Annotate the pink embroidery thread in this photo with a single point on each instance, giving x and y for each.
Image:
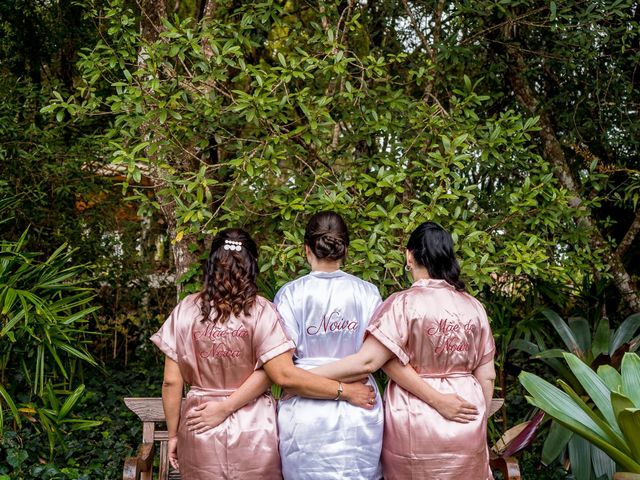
(215, 334)
(334, 322)
(447, 340)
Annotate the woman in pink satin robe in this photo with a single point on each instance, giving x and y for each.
(217, 341)
(444, 334)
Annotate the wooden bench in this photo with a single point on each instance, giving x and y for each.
(150, 412)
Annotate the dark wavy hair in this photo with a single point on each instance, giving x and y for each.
(432, 247)
(229, 277)
(327, 236)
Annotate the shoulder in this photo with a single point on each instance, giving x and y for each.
(368, 287)
(474, 302)
(188, 304)
(397, 298)
(289, 287)
(262, 305)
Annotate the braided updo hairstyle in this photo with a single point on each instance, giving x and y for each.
(327, 236)
(229, 276)
(432, 247)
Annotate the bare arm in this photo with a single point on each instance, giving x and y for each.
(172, 395)
(171, 399)
(486, 375)
(450, 406)
(300, 382)
(371, 356)
(211, 414)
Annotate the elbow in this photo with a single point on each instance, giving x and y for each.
(369, 366)
(284, 377)
(485, 374)
(170, 384)
(489, 378)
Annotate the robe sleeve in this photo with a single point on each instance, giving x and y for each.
(269, 339)
(284, 304)
(166, 338)
(390, 327)
(486, 345)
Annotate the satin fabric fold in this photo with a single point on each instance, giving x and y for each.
(326, 314)
(215, 359)
(445, 335)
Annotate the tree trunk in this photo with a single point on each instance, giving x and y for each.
(553, 153)
(630, 236)
(152, 13)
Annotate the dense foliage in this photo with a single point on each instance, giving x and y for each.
(133, 130)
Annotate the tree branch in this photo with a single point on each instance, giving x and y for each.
(416, 28)
(629, 237)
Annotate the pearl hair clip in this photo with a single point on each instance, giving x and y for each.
(232, 245)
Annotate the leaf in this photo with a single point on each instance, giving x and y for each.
(630, 424)
(524, 346)
(525, 437)
(595, 388)
(603, 464)
(561, 407)
(9, 299)
(70, 402)
(12, 406)
(630, 370)
(582, 332)
(558, 404)
(564, 331)
(620, 402)
(552, 14)
(580, 456)
(556, 442)
(624, 332)
(83, 355)
(551, 353)
(610, 376)
(615, 437)
(601, 338)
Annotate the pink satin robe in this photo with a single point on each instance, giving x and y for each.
(445, 335)
(215, 360)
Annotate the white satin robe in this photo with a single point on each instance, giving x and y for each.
(326, 314)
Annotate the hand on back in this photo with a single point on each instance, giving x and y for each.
(359, 394)
(207, 416)
(455, 408)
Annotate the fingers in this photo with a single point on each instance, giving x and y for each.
(193, 415)
(463, 417)
(199, 408)
(174, 463)
(468, 410)
(465, 403)
(191, 421)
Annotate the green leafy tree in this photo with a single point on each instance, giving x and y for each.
(261, 113)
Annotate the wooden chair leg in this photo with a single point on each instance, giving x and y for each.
(508, 466)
